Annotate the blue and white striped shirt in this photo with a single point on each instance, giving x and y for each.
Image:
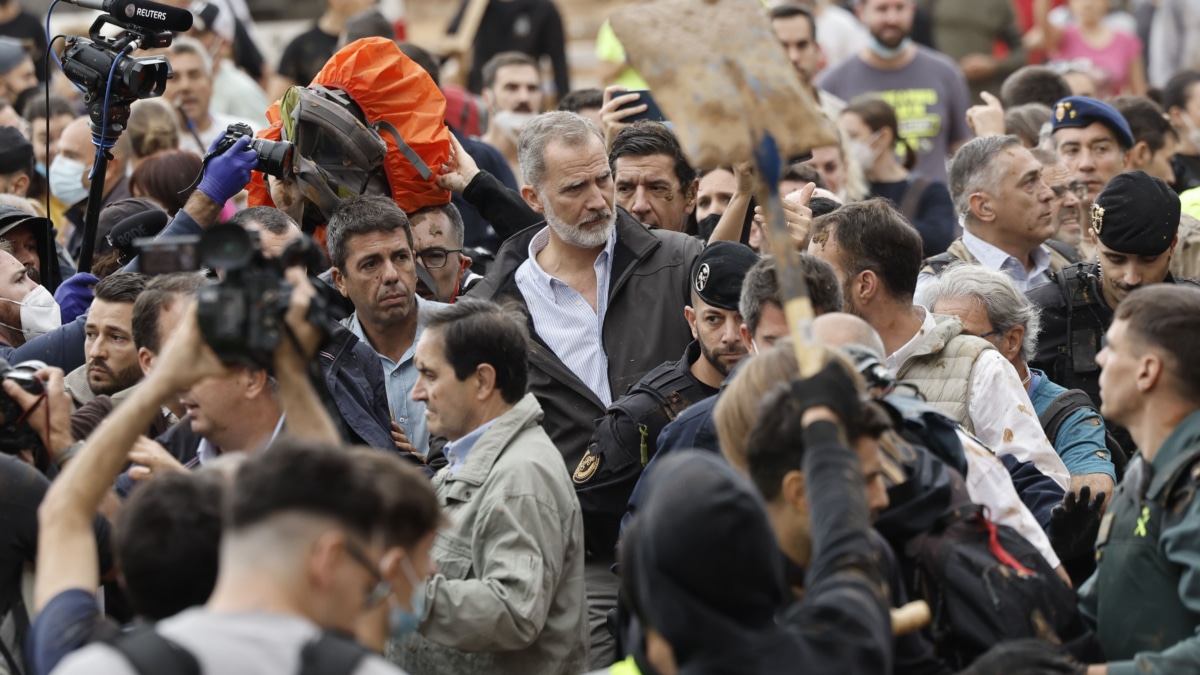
(565, 320)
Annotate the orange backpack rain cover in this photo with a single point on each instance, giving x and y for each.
(389, 87)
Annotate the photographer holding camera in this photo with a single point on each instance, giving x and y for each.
(66, 581)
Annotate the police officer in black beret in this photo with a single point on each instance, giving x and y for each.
(624, 440)
(1133, 228)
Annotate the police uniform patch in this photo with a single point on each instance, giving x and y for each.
(702, 277)
(586, 469)
(1097, 217)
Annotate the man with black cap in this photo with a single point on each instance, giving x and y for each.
(32, 242)
(1133, 228)
(626, 438)
(17, 72)
(1094, 141)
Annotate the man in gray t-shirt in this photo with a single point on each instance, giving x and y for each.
(253, 642)
(300, 552)
(926, 88)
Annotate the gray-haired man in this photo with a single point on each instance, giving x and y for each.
(605, 297)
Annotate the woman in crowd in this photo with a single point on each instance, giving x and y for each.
(873, 132)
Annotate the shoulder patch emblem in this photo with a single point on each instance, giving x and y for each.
(586, 469)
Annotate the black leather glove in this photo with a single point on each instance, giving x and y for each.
(1028, 657)
(1075, 523)
(832, 387)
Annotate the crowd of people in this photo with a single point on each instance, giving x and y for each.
(511, 389)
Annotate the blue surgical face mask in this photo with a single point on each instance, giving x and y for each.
(41, 169)
(402, 621)
(66, 180)
(888, 53)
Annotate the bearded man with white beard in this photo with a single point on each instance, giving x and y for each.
(605, 297)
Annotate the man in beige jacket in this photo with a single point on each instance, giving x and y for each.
(509, 593)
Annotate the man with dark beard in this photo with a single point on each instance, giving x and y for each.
(112, 357)
(604, 295)
(1134, 224)
(626, 439)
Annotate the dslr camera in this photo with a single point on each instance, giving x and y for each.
(242, 316)
(274, 157)
(15, 433)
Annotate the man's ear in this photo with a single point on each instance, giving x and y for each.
(747, 339)
(256, 382)
(338, 280)
(689, 193)
(864, 286)
(1149, 373)
(485, 379)
(1128, 160)
(20, 186)
(323, 559)
(532, 198)
(690, 315)
(794, 491)
(1010, 346)
(145, 360)
(1140, 155)
(980, 206)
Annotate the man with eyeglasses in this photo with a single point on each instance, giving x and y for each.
(444, 271)
(1007, 213)
(1067, 206)
(1134, 227)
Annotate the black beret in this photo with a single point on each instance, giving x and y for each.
(1136, 214)
(718, 272)
(16, 153)
(1081, 111)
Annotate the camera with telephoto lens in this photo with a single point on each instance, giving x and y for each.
(274, 157)
(15, 434)
(242, 316)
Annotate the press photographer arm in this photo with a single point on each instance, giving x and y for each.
(224, 175)
(307, 417)
(68, 553)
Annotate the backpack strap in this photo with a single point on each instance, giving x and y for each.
(911, 204)
(331, 654)
(406, 150)
(152, 654)
(1055, 414)
(936, 264)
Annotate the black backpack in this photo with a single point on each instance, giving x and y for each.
(1061, 408)
(152, 654)
(986, 584)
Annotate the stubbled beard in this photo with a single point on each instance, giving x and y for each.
(575, 235)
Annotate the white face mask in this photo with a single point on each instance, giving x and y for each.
(39, 313)
(863, 153)
(66, 180)
(511, 123)
(1193, 132)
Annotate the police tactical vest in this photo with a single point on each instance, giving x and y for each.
(1137, 588)
(941, 369)
(1088, 317)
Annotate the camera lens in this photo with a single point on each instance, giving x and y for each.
(274, 157)
(226, 247)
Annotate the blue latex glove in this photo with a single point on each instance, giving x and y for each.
(228, 173)
(75, 295)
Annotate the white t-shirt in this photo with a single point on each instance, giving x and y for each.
(220, 124)
(224, 644)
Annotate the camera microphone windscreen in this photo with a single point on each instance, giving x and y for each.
(137, 226)
(152, 15)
